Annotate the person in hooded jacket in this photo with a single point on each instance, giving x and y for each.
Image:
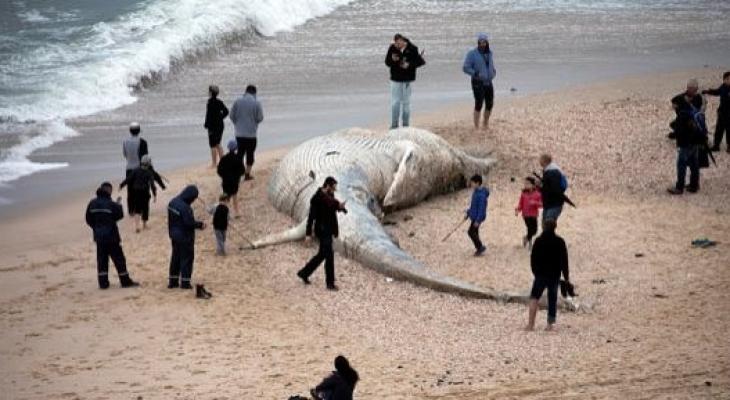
(230, 169)
(141, 184)
(479, 65)
(102, 215)
(403, 59)
(477, 212)
(340, 385)
(215, 114)
(181, 225)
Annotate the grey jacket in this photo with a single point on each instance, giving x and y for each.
(246, 115)
(130, 149)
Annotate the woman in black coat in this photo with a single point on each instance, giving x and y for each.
(215, 113)
(340, 384)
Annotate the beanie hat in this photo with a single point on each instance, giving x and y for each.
(482, 37)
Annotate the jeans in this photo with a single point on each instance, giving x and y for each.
(552, 213)
(688, 157)
(220, 241)
(400, 99)
(474, 236)
(538, 287)
(181, 261)
(326, 254)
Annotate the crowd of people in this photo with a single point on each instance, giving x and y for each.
(546, 191)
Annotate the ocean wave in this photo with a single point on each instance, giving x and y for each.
(98, 67)
(31, 137)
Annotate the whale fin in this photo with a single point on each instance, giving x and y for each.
(290, 235)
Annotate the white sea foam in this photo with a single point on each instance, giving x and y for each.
(97, 73)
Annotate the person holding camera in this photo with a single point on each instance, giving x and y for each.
(403, 59)
(323, 217)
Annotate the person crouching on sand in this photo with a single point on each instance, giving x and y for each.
(340, 385)
(181, 226)
(529, 205)
(477, 212)
(548, 260)
(230, 169)
(479, 65)
(102, 215)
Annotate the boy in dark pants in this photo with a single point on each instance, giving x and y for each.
(723, 112)
(323, 216)
(548, 260)
(102, 215)
(181, 225)
(220, 224)
(477, 212)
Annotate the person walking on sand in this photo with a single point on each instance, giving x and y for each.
(141, 182)
(246, 115)
(323, 208)
(477, 213)
(133, 148)
(529, 205)
(220, 224)
(552, 188)
(403, 59)
(723, 112)
(181, 224)
(479, 65)
(230, 169)
(102, 215)
(340, 385)
(215, 114)
(548, 260)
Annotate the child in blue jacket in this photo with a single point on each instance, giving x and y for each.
(477, 212)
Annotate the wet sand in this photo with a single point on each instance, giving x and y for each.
(657, 329)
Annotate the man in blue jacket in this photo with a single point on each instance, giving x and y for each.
(477, 212)
(102, 215)
(479, 65)
(181, 225)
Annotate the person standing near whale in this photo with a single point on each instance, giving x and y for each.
(479, 65)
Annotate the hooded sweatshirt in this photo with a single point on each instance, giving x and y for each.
(181, 221)
(246, 115)
(551, 190)
(549, 257)
(102, 215)
(477, 211)
(480, 66)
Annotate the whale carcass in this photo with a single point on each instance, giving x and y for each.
(376, 172)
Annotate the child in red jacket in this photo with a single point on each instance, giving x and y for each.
(530, 204)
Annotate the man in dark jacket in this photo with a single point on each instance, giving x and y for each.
(691, 97)
(549, 259)
(340, 385)
(723, 112)
(689, 141)
(181, 225)
(230, 169)
(551, 188)
(323, 217)
(102, 215)
(402, 58)
(141, 182)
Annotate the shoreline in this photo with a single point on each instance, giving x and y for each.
(657, 326)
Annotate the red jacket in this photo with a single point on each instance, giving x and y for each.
(530, 203)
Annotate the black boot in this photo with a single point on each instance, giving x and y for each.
(174, 283)
(127, 282)
(201, 293)
(186, 285)
(103, 284)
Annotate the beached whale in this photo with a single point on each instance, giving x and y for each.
(376, 172)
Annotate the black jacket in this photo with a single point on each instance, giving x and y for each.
(686, 132)
(337, 387)
(102, 215)
(230, 167)
(409, 55)
(141, 181)
(550, 189)
(323, 215)
(215, 113)
(220, 218)
(549, 257)
(724, 92)
(681, 102)
(181, 223)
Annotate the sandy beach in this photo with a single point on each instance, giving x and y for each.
(657, 327)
